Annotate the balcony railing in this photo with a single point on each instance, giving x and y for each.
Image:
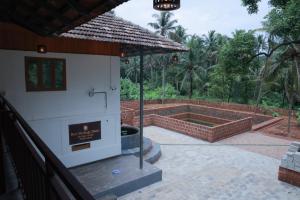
(41, 175)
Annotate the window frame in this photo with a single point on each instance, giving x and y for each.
(40, 79)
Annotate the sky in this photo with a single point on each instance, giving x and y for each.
(199, 16)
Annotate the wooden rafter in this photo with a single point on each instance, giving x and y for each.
(46, 17)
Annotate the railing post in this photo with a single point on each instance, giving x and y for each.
(2, 173)
(36, 162)
(49, 175)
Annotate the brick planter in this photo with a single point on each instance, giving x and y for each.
(222, 105)
(210, 134)
(289, 170)
(212, 120)
(289, 176)
(226, 123)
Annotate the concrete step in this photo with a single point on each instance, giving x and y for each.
(136, 151)
(108, 197)
(152, 151)
(12, 195)
(154, 154)
(266, 124)
(148, 144)
(100, 180)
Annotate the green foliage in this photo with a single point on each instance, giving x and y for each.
(269, 106)
(275, 114)
(284, 22)
(239, 68)
(163, 23)
(219, 86)
(252, 5)
(179, 35)
(298, 117)
(170, 92)
(235, 55)
(129, 90)
(236, 65)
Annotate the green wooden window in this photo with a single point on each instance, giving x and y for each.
(45, 74)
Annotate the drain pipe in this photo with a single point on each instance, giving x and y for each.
(141, 105)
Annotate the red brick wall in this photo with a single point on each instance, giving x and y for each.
(231, 128)
(213, 120)
(136, 104)
(130, 104)
(210, 134)
(230, 122)
(170, 110)
(289, 176)
(228, 114)
(184, 127)
(127, 116)
(224, 105)
(148, 121)
(231, 106)
(204, 110)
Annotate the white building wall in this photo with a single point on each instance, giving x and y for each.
(50, 113)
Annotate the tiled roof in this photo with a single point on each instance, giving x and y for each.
(109, 28)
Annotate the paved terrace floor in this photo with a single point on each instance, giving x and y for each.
(196, 170)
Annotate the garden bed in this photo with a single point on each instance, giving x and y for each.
(204, 122)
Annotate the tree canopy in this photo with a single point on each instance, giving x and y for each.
(245, 67)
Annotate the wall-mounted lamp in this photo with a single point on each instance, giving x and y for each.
(123, 54)
(175, 59)
(42, 48)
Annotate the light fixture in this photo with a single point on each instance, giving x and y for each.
(166, 5)
(126, 61)
(123, 54)
(41, 48)
(175, 59)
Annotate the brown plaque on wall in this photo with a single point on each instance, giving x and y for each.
(84, 132)
(79, 147)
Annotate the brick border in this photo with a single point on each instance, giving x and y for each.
(210, 134)
(230, 106)
(289, 176)
(213, 120)
(230, 122)
(266, 123)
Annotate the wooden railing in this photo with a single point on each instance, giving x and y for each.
(41, 175)
(2, 179)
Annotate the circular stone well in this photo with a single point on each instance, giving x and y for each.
(130, 137)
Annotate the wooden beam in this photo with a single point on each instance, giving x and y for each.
(86, 11)
(14, 37)
(102, 8)
(54, 11)
(74, 4)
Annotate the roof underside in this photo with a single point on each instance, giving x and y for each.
(48, 17)
(133, 38)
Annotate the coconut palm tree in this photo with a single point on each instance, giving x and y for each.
(133, 69)
(192, 70)
(286, 66)
(179, 35)
(163, 25)
(211, 44)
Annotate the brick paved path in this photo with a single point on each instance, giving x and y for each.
(213, 172)
(260, 143)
